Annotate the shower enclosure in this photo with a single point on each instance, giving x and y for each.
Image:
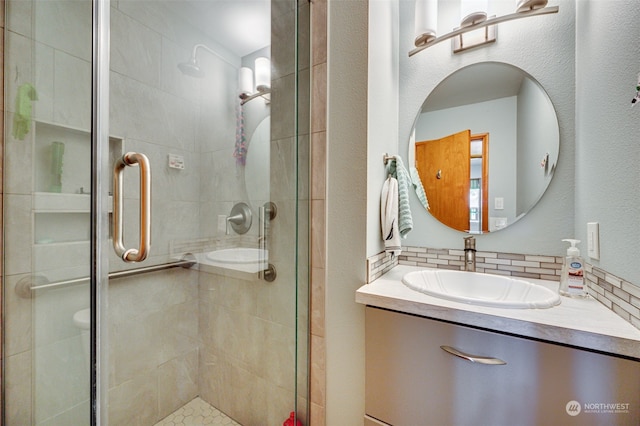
(155, 212)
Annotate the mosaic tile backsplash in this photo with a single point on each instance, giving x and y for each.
(615, 293)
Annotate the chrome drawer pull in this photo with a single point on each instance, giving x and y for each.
(473, 358)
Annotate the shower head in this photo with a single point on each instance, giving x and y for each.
(192, 67)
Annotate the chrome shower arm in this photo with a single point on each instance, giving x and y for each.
(205, 47)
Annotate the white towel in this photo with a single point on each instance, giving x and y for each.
(389, 217)
(396, 169)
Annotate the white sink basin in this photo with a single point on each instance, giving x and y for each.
(481, 289)
(238, 255)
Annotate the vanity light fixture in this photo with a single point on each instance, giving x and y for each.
(525, 9)
(426, 21)
(262, 88)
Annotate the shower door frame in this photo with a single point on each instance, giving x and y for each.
(99, 267)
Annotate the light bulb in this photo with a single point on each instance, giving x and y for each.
(263, 74)
(527, 5)
(426, 21)
(245, 82)
(473, 12)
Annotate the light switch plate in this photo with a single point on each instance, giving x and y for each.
(499, 203)
(500, 222)
(593, 240)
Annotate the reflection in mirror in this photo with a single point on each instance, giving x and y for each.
(485, 144)
(256, 171)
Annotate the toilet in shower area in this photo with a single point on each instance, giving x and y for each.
(82, 320)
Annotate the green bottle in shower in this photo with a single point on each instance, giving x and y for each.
(57, 159)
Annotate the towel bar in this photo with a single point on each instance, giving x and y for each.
(386, 158)
(26, 286)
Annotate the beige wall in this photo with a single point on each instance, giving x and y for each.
(338, 145)
(1, 186)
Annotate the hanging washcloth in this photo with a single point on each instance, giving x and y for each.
(396, 169)
(22, 115)
(389, 216)
(240, 149)
(417, 185)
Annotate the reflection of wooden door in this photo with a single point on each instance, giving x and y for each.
(444, 168)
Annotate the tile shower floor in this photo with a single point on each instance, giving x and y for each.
(196, 412)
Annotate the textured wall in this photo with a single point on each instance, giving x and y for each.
(607, 129)
(543, 47)
(346, 209)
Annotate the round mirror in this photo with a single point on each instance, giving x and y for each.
(256, 171)
(485, 146)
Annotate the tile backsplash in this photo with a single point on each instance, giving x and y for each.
(615, 293)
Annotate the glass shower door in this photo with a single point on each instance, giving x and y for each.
(204, 92)
(213, 321)
(47, 211)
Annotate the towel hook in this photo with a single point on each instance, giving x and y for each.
(386, 157)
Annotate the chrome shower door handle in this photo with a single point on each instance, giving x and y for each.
(139, 254)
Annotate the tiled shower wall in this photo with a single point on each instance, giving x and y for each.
(154, 342)
(249, 330)
(318, 209)
(30, 341)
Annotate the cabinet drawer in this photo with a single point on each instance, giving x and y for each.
(411, 381)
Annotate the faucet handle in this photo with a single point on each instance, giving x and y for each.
(469, 243)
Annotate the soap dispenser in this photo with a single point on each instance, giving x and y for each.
(572, 277)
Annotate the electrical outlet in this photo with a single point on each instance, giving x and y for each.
(175, 161)
(499, 203)
(593, 240)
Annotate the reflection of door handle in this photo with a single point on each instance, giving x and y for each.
(132, 159)
(439, 174)
(266, 213)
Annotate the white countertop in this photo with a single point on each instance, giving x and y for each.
(584, 323)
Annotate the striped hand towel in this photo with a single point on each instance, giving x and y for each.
(397, 170)
(417, 185)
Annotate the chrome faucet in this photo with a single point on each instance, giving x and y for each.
(470, 254)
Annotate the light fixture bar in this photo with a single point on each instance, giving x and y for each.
(492, 21)
(266, 94)
(471, 40)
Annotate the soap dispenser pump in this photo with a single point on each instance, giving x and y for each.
(572, 276)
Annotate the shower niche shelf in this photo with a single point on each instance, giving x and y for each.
(76, 160)
(61, 199)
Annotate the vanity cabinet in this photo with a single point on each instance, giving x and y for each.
(412, 381)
